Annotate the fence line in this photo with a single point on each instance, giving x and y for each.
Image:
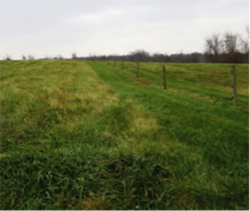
(233, 72)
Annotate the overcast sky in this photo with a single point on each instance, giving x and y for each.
(52, 27)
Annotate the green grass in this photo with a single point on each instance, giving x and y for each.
(87, 135)
(205, 80)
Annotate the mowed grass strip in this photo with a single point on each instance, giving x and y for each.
(218, 132)
(208, 81)
(78, 135)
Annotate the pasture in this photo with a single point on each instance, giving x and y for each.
(92, 135)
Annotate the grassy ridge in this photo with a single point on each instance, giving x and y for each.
(78, 135)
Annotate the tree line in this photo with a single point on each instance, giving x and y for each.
(219, 48)
(227, 48)
(144, 56)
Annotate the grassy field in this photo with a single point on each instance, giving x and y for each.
(202, 80)
(89, 135)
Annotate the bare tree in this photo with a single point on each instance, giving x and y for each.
(231, 47)
(230, 42)
(7, 57)
(140, 56)
(247, 30)
(248, 44)
(213, 48)
(74, 56)
(244, 45)
(23, 57)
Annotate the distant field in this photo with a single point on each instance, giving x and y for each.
(91, 135)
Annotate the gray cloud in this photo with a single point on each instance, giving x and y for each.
(51, 27)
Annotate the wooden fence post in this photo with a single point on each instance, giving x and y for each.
(164, 77)
(137, 69)
(234, 85)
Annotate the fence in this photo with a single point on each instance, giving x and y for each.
(152, 72)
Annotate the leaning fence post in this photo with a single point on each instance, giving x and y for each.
(137, 69)
(164, 77)
(234, 85)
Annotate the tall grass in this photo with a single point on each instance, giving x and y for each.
(77, 135)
